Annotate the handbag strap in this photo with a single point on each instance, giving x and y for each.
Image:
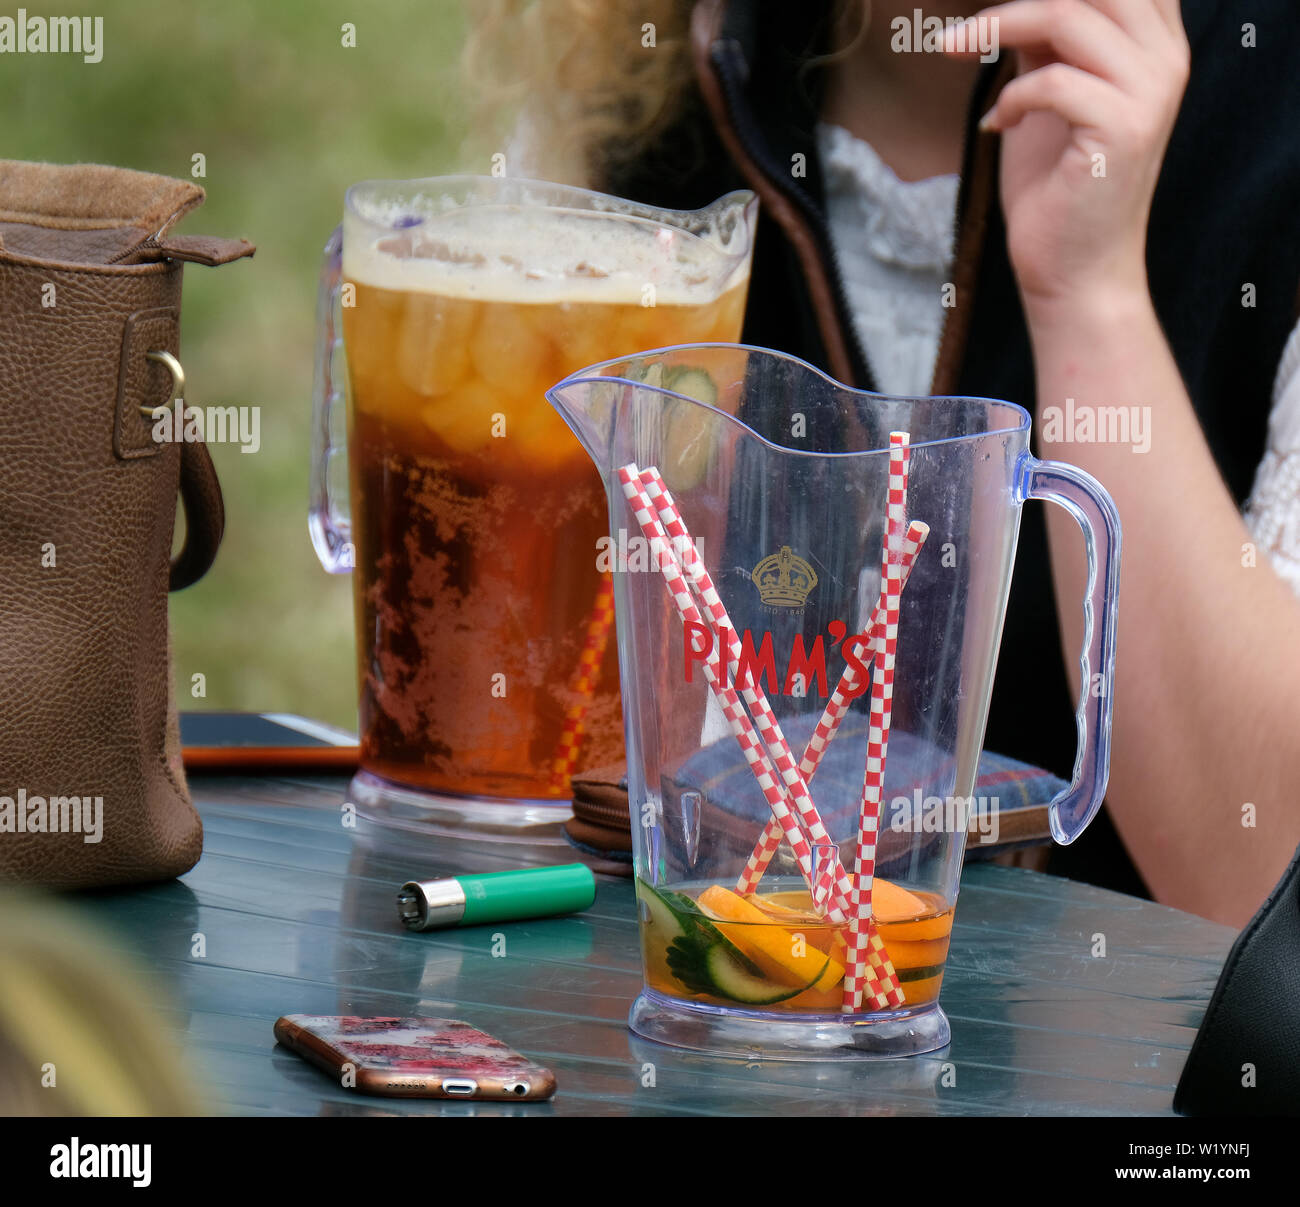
(205, 516)
(147, 337)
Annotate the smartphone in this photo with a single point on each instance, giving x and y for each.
(414, 1057)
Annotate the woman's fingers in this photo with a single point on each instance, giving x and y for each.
(1155, 25)
(1072, 31)
(1140, 19)
(1172, 13)
(1076, 96)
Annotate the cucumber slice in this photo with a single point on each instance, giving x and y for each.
(679, 917)
(663, 917)
(687, 445)
(722, 970)
(651, 374)
(732, 981)
(675, 912)
(694, 383)
(919, 974)
(703, 959)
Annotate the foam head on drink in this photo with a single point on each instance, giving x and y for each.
(476, 513)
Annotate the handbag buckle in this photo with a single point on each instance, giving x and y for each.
(178, 383)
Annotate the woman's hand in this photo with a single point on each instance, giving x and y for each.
(1084, 128)
(1205, 692)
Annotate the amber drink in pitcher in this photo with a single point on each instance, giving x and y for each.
(486, 663)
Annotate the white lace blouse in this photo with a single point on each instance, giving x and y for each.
(894, 241)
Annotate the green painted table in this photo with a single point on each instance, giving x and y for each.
(298, 917)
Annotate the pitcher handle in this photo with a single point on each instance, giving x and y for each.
(1087, 501)
(329, 517)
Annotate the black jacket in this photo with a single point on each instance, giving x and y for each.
(1226, 214)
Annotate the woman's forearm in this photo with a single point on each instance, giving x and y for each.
(1207, 696)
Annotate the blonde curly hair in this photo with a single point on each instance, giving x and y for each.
(574, 90)
(568, 89)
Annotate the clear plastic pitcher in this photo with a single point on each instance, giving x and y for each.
(810, 584)
(486, 665)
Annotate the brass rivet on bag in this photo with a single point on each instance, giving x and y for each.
(178, 382)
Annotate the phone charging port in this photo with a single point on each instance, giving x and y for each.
(462, 1086)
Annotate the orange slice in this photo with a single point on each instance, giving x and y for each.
(773, 948)
(890, 903)
(783, 914)
(938, 927)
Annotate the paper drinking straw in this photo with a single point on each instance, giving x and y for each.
(599, 624)
(825, 880)
(861, 936)
(666, 560)
(848, 688)
(837, 709)
(881, 979)
(764, 718)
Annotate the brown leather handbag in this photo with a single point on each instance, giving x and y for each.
(92, 791)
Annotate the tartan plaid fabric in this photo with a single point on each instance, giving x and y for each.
(733, 801)
(720, 773)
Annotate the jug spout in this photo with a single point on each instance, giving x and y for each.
(577, 401)
(664, 406)
(730, 222)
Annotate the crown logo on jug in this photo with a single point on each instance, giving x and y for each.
(784, 580)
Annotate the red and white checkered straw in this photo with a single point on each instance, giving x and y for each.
(764, 718)
(862, 935)
(825, 876)
(850, 684)
(828, 889)
(837, 708)
(666, 559)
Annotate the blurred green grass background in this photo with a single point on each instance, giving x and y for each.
(287, 117)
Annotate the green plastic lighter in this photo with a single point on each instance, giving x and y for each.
(495, 896)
